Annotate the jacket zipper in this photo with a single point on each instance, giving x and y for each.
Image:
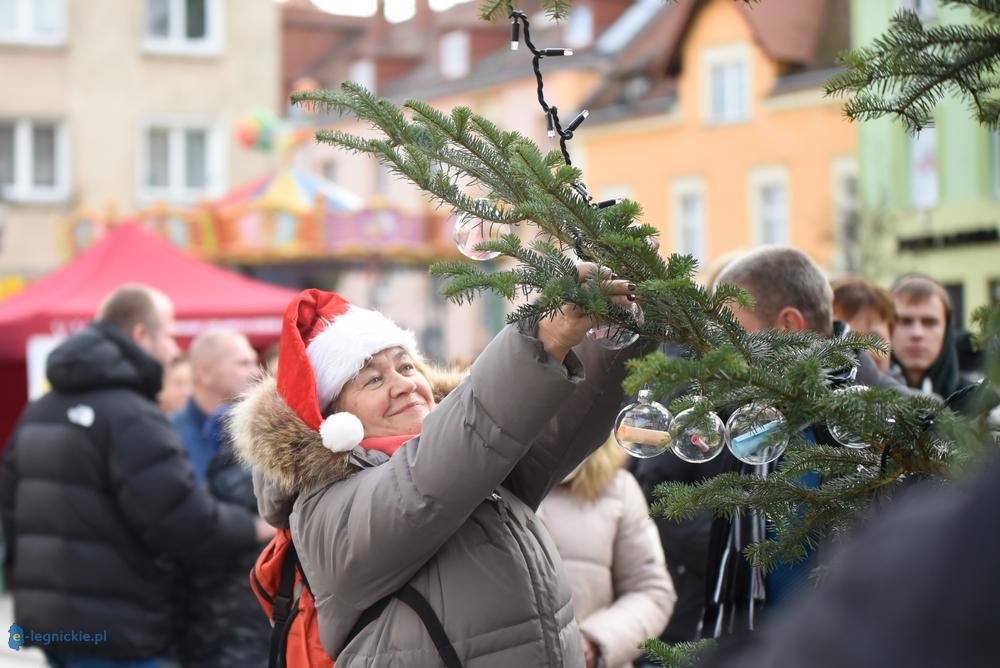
(515, 529)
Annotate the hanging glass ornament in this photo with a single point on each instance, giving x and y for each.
(616, 337)
(471, 230)
(845, 433)
(642, 428)
(697, 440)
(750, 431)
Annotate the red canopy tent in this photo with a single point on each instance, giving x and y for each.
(204, 295)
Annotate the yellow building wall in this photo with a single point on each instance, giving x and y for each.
(803, 132)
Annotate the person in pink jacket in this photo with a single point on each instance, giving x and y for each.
(622, 592)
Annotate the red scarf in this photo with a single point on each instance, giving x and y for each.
(386, 444)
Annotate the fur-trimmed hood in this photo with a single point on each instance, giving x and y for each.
(286, 455)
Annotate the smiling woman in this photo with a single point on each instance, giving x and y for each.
(390, 495)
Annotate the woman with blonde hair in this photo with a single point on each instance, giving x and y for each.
(622, 592)
(412, 515)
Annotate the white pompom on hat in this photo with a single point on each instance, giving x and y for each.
(325, 342)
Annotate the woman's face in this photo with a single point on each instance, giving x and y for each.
(389, 395)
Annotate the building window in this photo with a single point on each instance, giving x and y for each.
(925, 9)
(382, 177)
(34, 22)
(924, 169)
(580, 27)
(847, 216)
(727, 84)
(190, 27)
(996, 163)
(34, 161)
(690, 221)
(769, 205)
(454, 54)
(362, 72)
(181, 161)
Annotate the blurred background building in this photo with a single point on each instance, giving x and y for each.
(173, 114)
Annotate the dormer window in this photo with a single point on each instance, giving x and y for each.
(454, 54)
(363, 73)
(727, 84)
(580, 27)
(925, 9)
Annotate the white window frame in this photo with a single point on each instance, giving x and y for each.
(723, 56)
(24, 32)
(925, 9)
(842, 169)
(23, 189)
(176, 190)
(579, 30)
(679, 190)
(454, 54)
(176, 43)
(996, 164)
(362, 71)
(760, 178)
(919, 200)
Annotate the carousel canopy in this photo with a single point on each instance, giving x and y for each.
(294, 190)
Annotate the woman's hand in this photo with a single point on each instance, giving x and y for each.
(566, 328)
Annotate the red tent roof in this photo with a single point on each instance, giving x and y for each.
(204, 295)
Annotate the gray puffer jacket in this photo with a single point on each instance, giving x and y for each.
(451, 512)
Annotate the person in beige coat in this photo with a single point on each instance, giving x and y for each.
(622, 592)
(383, 487)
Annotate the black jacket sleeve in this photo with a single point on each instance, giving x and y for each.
(159, 497)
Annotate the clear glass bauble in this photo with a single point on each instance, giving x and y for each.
(844, 433)
(642, 428)
(697, 441)
(616, 337)
(750, 430)
(470, 231)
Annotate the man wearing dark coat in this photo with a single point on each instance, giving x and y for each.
(98, 500)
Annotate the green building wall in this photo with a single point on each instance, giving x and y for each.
(935, 240)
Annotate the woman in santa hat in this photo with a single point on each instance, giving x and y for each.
(386, 490)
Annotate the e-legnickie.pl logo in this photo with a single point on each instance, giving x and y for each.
(19, 636)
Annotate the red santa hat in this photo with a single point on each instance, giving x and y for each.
(325, 342)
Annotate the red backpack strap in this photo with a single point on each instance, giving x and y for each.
(284, 608)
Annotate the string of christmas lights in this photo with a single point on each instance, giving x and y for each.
(553, 124)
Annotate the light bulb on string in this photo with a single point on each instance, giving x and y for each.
(471, 230)
(642, 428)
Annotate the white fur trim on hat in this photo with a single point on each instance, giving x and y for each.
(340, 351)
(342, 432)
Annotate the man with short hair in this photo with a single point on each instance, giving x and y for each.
(923, 342)
(222, 366)
(222, 625)
(791, 293)
(98, 499)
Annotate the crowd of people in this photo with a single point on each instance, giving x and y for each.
(480, 518)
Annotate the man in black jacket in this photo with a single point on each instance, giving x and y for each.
(98, 497)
